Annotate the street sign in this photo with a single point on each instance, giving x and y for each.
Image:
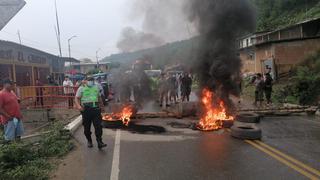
(8, 9)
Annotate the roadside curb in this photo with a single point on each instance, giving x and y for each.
(74, 125)
(71, 127)
(34, 137)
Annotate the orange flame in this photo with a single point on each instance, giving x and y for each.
(124, 115)
(213, 116)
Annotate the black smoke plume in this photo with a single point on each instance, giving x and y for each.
(220, 23)
(162, 21)
(132, 40)
(164, 18)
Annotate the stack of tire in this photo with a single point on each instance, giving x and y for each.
(245, 127)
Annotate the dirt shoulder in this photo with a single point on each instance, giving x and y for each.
(71, 166)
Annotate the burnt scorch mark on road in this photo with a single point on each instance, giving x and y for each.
(194, 126)
(134, 128)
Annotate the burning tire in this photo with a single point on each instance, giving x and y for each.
(248, 118)
(246, 132)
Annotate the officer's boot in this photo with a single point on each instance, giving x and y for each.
(101, 144)
(89, 143)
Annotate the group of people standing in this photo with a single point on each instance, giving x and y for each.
(171, 84)
(263, 86)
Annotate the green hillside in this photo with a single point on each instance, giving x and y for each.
(171, 53)
(271, 14)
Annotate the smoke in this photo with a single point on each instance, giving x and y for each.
(132, 85)
(162, 21)
(220, 23)
(132, 40)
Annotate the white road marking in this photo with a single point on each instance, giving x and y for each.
(115, 169)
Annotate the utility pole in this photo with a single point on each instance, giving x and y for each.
(19, 37)
(69, 48)
(97, 57)
(58, 28)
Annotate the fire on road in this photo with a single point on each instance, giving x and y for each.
(188, 154)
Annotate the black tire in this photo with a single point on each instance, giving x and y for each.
(248, 118)
(246, 132)
(227, 124)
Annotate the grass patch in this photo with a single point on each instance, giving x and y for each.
(23, 161)
(249, 92)
(1, 133)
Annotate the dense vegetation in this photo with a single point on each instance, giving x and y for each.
(22, 160)
(171, 53)
(304, 86)
(273, 14)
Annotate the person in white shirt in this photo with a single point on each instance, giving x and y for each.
(68, 90)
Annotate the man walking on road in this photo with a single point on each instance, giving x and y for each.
(268, 88)
(88, 101)
(173, 88)
(10, 114)
(186, 84)
(163, 90)
(68, 90)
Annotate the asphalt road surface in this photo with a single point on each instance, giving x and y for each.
(290, 149)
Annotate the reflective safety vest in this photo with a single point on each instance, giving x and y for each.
(90, 94)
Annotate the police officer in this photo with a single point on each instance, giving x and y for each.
(88, 101)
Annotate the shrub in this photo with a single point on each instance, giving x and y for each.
(22, 161)
(56, 143)
(303, 89)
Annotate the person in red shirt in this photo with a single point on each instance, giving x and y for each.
(10, 114)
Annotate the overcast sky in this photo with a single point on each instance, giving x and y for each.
(96, 23)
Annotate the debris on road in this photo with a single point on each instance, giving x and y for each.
(250, 132)
(248, 118)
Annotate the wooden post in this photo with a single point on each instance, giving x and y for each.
(32, 75)
(14, 72)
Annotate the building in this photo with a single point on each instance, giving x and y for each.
(24, 64)
(85, 67)
(281, 49)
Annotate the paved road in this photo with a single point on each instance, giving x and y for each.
(186, 154)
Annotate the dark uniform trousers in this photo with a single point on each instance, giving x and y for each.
(92, 115)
